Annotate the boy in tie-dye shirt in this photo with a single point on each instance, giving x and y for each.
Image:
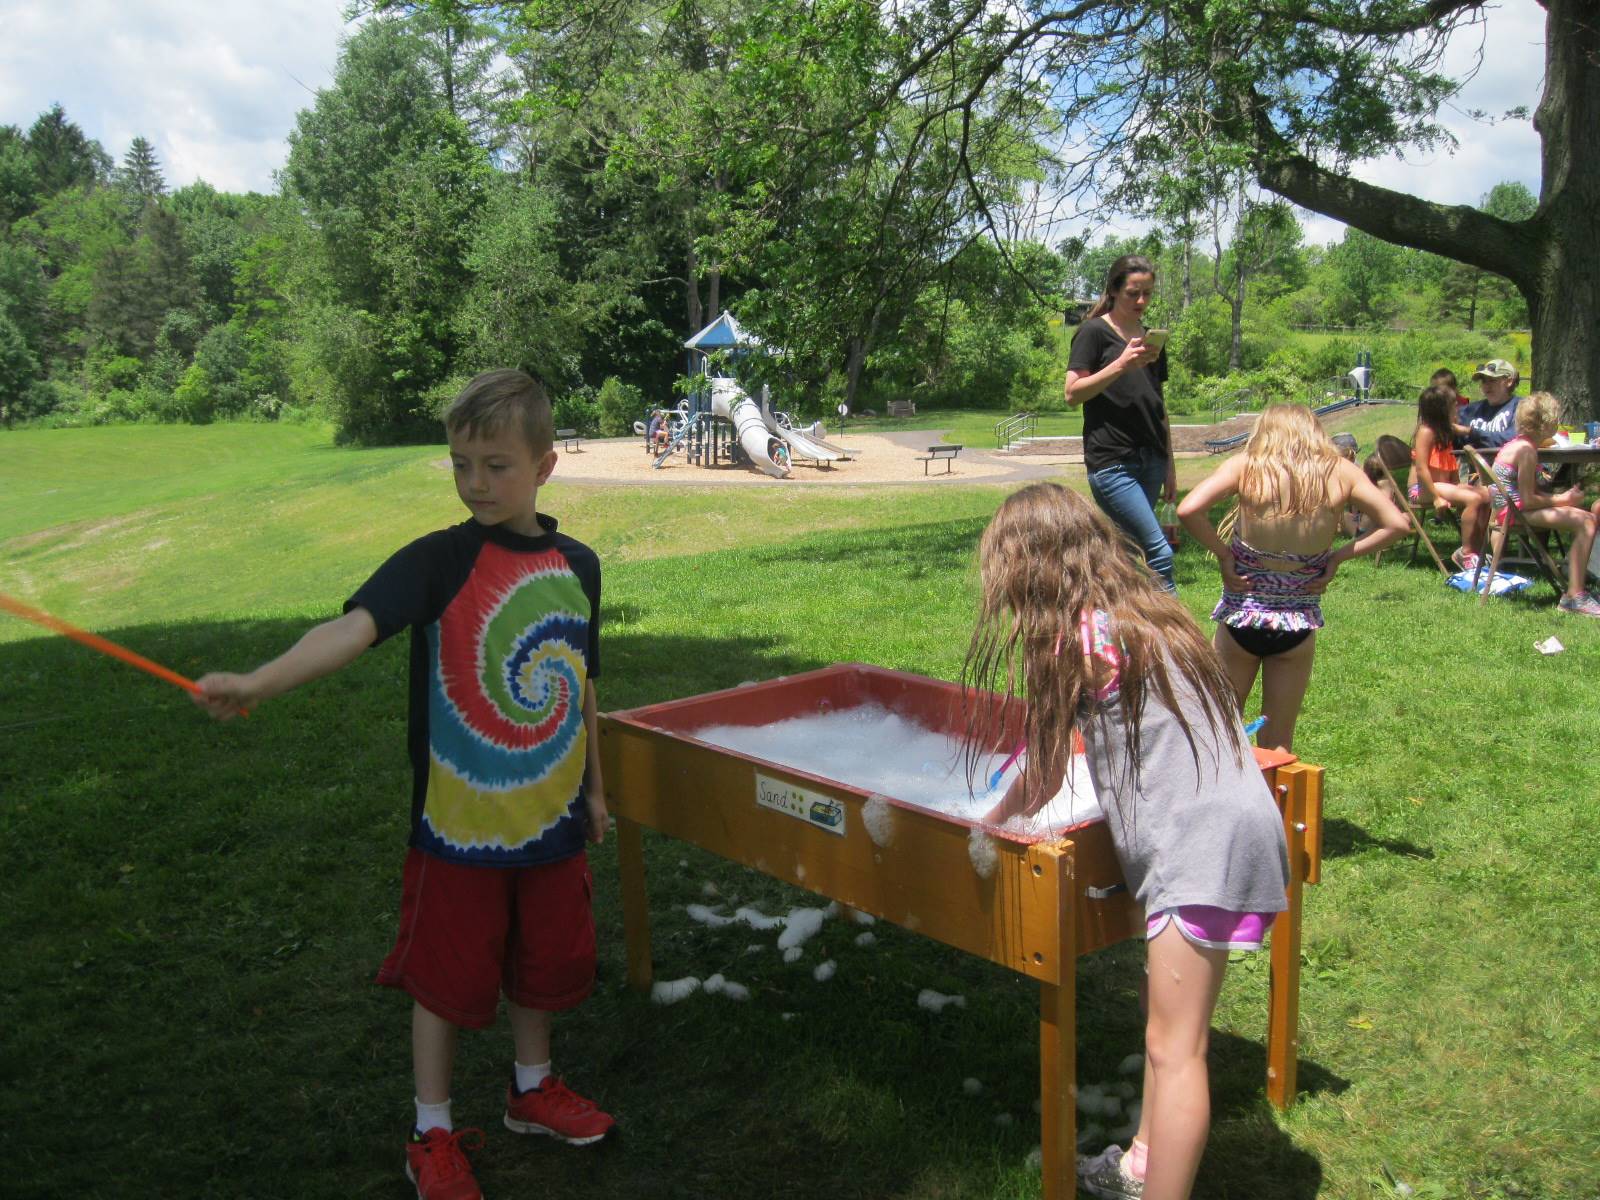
(504, 614)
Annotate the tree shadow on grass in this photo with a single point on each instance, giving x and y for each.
(197, 910)
(1341, 837)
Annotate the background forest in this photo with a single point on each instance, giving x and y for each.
(469, 194)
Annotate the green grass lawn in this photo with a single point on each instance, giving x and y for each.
(194, 911)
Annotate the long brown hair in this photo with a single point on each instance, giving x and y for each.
(1128, 264)
(1289, 462)
(1436, 408)
(1046, 560)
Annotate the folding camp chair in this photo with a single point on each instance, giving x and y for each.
(1497, 534)
(1395, 457)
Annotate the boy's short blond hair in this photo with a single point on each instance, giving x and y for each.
(497, 400)
(1538, 411)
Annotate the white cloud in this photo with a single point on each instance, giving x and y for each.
(215, 87)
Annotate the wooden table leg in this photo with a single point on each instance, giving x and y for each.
(1283, 1003)
(635, 902)
(1058, 1035)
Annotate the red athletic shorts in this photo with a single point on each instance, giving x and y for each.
(468, 933)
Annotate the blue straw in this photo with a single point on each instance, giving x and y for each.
(1250, 729)
(994, 780)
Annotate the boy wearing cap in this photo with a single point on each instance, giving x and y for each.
(1493, 420)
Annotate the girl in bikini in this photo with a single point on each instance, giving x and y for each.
(1293, 489)
(1516, 469)
(1435, 470)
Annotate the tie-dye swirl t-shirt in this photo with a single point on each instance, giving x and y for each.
(504, 635)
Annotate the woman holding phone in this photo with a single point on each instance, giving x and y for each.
(1116, 371)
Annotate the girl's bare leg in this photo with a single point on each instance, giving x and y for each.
(1184, 981)
(1581, 524)
(1240, 665)
(1284, 679)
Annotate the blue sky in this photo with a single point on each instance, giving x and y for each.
(216, 86)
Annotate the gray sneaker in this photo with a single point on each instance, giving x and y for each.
(1584, 604)
(1102, 1176)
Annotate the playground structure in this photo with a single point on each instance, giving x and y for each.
(720, 422)
(1040, 904)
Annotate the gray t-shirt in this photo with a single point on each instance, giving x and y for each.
(1185, 834)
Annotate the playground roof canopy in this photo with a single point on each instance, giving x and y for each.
(722, 334)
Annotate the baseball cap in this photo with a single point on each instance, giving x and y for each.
(1495, 368)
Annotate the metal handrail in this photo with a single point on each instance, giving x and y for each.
(1006, 430)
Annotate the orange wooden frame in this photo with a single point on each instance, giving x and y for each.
(1045, 903)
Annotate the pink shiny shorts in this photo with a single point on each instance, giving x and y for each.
(1213, 928)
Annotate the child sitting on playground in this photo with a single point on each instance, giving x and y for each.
(504, 614)
(1435, 473)
(1293, 489)
(1516, 469)
(1101, 647)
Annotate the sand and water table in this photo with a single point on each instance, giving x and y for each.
(1027, 899)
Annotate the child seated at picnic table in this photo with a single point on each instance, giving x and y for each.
(1516, 470)
(1436, 470)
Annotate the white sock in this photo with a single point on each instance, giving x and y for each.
(531, 1077)
(433, 1116)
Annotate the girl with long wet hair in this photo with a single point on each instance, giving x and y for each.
(1086, 638)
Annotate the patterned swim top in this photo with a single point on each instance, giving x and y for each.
(1277, 598)
(1505, 474)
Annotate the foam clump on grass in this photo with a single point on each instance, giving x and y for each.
(708, 916)
(971, 1086)
(1131, 1064)
(670, 991)
(937, 1002)
(800, 926)
(866, 938)
(717, 985)
(824, 971)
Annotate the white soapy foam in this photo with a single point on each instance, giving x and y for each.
(754, 948)
(971, 1086)
(1131, 1064)
(1126, 1090)
(1035, 1159)
(937, 1002)
(800, 926)
(1090, 1134)
(673, 990)
(983, 852)
(824, 971)
(866, 939)
(707, 916)
(877, 814)
(1003, 1120)
(792, 954)
(709, 889)
(717, 985)
(879, 751)
(757, 919)
(862, 918)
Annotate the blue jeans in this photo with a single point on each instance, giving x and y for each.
(1127, 492)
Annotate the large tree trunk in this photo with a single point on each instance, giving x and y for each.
(1236, 304)
(691, 291)
(1553, 258)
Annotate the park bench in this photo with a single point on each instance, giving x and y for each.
(935, 453)
(569, 438)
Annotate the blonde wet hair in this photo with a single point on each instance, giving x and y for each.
(1539, 411)
(1289, 463)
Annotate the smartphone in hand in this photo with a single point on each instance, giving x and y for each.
(1155, 339)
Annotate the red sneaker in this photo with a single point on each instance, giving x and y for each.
(556, 1109)
(436, 1162)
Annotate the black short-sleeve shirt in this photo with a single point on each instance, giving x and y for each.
(1131, 413)
(505, 633)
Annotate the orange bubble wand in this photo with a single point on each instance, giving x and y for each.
(95, 642)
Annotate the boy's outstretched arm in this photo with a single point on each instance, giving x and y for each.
(594, 788)
(322, 651)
